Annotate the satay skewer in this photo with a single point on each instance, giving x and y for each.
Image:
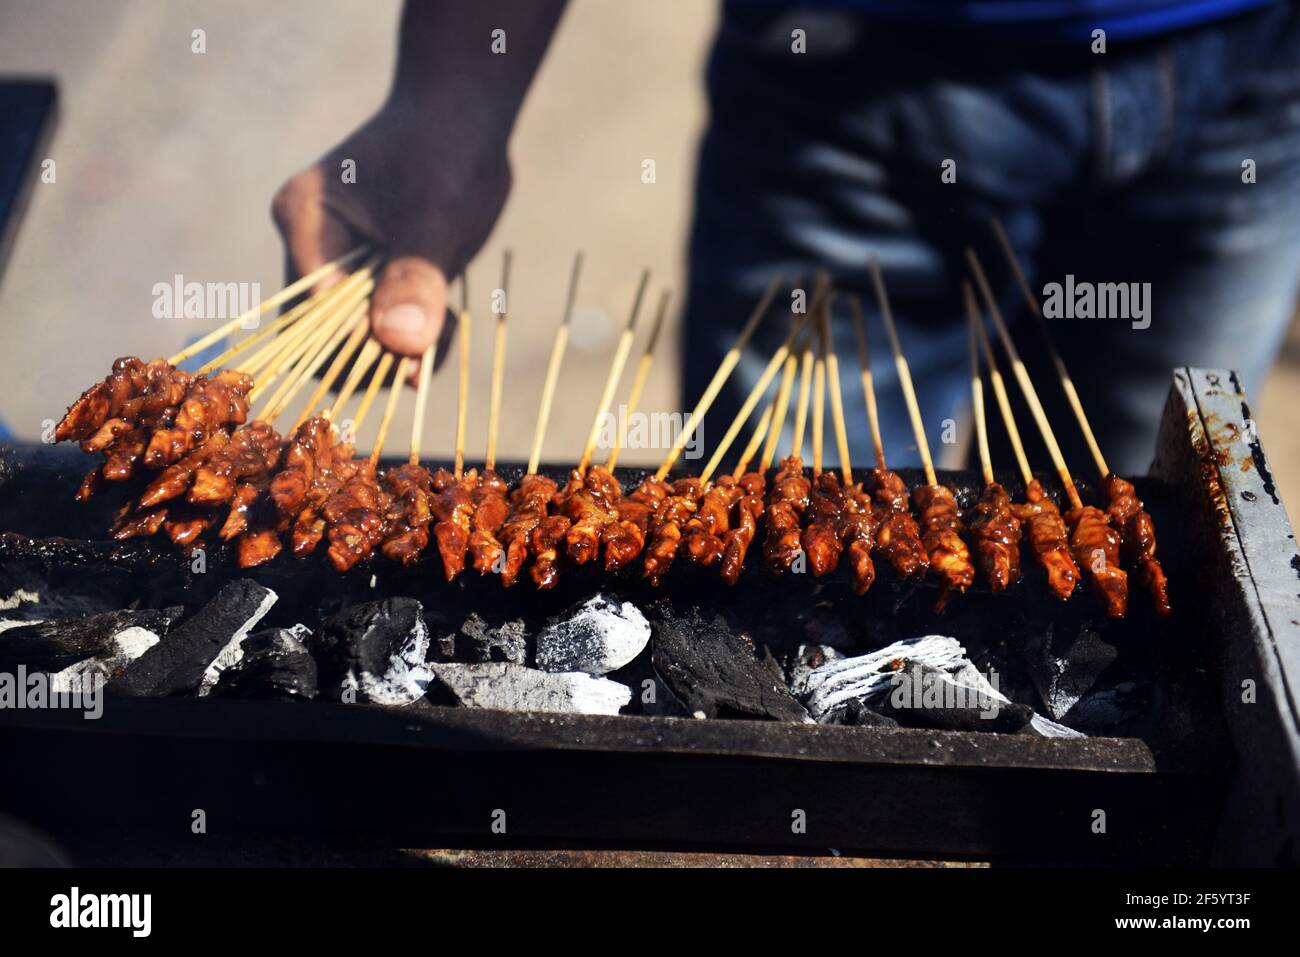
(498, 367)
(941, 522)
(805, 398)
(369, 353)
(372, 390)
(311, 362)
(728, 364)
(359, 333)
(1126, 512)
(818, 400)
(1093, 542)
(279, 298)
(639, 380)
(782, 404)
(837, 402)
(977, 386)
(755, 440)
(621, 351)
(553, 369)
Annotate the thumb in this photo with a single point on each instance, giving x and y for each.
(408, 307)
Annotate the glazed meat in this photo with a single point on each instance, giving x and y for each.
(898, 539)
(666, 527)
(453, 508)
(749, 509)
(705, 533)
(1095, 546)
(941, 533)
(529, 503)
(625, 538)
(1048, 539)
(1137, 539)
(821, 536)
(995, 532)
(491, 507)
(858, 523)
(410, 494)
(786, 503)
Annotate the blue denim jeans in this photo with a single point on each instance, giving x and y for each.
(1125, 167)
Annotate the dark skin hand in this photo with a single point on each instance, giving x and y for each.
(431, 166)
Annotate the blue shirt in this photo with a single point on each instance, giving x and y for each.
(1065, 19)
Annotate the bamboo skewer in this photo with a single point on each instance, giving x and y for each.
(367, 400)
(751, 400)
(805, 393)
(837, 401)
(394, 393)
(421, 402)
(462, 393)
(300, 347)
(358, 335)
(778, 416)
(498, 367)
(621, 352)
(1067, 383)
(755, 440)
(553, 369)
(1022, 376)
(868, 383)
(977, 385)
(283, 296)
(1004, 403)
(311, 363)
(818, 400)
(904, 374)
(639, 380)
(369, 353)
(729, 362)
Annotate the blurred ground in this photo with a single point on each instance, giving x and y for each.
(167, 159)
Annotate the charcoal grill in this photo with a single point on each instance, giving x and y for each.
(1215, 780)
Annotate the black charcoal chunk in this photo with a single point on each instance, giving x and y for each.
(599, 636)
(52, 646)
(806, 659)
(857, 714)
(192, 657)
(275, 665)
(926, 697)
(506, 687)
(1065, 664)
(714, 673)
(374, 653)
(488, 637)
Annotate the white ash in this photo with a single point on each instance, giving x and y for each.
(601, 636)
(233, 650)
(807, 659)
(406, 678)
(128, 645)
(507, 687)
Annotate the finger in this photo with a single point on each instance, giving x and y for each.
(313, 235)
(407, 310)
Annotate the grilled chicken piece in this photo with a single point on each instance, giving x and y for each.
(1048, 539)
(786, 503)
(528, 506)
(941, 529)
(858, 523)
(749, 509)
(589, 504)
(666, 527)
(705, 533)
(625, 538)
(821, 537)
(453, 507)
(995, 531)
(898, 538)
(1137, 539)
(1095, 546)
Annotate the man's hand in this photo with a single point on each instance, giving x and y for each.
(426, 178)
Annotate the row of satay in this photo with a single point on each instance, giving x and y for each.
(205, 471)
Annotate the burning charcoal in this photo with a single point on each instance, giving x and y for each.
(275, 664)
(805, 660)
(195, 653)
(868, 677)
(599, 637)
(508, 687)
(114, 639)
(1064, 667)
(1101, 712)
(715, 674)
(482, 640)
(374, 653)
(857, 714)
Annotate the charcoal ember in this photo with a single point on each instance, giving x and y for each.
(1066, 664)
(114, 639)
(599, 636)
(1104, 710)
(714, 673)
(191, 657)
(508, 687)
(492, 638)
(275, 665)
(867, 678)
(926, 697)
(804, 661)
(374, 653)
